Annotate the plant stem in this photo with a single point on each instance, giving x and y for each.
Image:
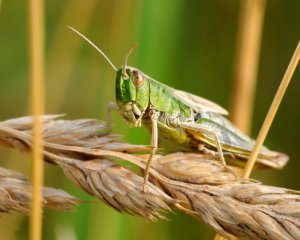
(246, 63)
(272, 111)
(36, 22)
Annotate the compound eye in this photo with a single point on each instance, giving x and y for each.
(138, 78)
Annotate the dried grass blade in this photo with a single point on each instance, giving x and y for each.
(272, 111)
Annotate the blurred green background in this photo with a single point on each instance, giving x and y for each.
(189, 45)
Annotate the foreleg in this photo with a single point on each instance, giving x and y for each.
(154, 115)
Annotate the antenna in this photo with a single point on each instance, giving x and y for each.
(126, 58)
(93, 45)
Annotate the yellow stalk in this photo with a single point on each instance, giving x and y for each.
(246, 63)
(36, 22)
(272, 111)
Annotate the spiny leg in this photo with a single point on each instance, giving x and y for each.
(193, 126)
(196, 127)
(154, 142)
(111, 106)
(202, 148)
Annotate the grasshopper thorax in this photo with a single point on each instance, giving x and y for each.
(132, 94)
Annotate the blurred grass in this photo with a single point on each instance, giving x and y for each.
(247, 55)
(251, 22)
(185, 44)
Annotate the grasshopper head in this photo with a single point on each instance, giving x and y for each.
(132, 88)
(132, 94)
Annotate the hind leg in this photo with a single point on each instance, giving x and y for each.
(205, 150)
(196, 127)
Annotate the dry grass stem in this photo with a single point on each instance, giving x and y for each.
(272, 111)
(36, 26)
(16, 194)
(246, 62)
(196, 184)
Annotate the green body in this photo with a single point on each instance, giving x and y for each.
(156, 96)
(135, 103)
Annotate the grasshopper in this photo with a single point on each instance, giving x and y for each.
(188, 120)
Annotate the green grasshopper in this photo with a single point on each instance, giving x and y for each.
(193, 122)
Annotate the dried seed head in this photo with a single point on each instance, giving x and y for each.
(193, 183)
(15, 192)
